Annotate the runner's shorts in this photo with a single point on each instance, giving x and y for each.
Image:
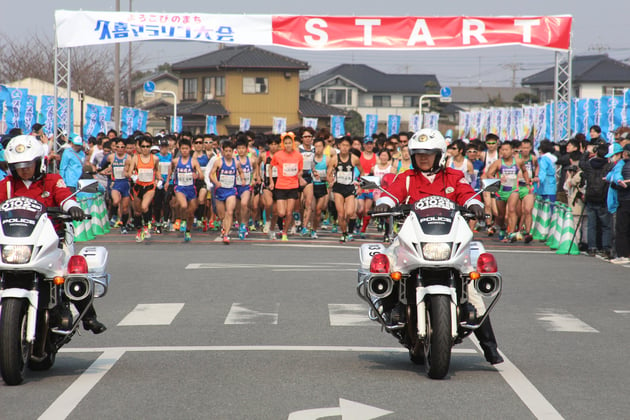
(319, 190)
(189, 191)
(222, 194)
(286, 194)
(122, 186)
(240, 189)
(344, 190)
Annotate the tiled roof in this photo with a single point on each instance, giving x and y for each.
(481, 95)
(313, 109)
(241, 57)
(586, 69)
(369, 79)
(209, 107)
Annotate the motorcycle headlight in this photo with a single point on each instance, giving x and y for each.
(436, 251)
(16, 254)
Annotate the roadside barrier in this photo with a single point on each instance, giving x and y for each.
(556, 228)
(89, 229)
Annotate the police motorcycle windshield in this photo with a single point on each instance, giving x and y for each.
(19, 216)
(435, 214)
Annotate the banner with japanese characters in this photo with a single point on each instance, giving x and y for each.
(211, 124)
(79, 28)
(393, 124)
(371, 124)
(279, 125)
(310, 122)
(337, 127)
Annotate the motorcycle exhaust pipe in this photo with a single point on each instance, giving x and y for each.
(77, 288)
(381, 287)
(487, 285)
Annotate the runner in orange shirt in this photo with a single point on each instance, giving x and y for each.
(289, 163)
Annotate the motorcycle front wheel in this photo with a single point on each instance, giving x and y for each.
(438, 343)
(14, 349)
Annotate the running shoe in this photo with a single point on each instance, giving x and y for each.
(334, 229)
(147, 233)
(187, 236)
(158, 229)
(343, 238)
(182, 226)
(242, 233)
(266, 227)
(205, 226)
(620, 260)
(527, 238)
(349, 238)
(293, 230)
(362, 235)
(304, 231)
(118, 224)
(313, 234)
(123, 230)
(177, 224)
(285, 238)
(387, 239)
(226, 240)
(140, 235)
(491, 230)
(272, 235)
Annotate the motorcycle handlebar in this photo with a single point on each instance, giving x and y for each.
(61, 215)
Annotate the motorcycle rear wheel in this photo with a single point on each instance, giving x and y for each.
(438, 343)
(14, 350)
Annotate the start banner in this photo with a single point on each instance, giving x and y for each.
(78, 28)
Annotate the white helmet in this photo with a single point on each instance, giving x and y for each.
(24, 150)
(429, 141)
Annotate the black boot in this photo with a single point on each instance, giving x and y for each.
(488, 342)
(92, 324)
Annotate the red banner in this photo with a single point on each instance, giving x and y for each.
(362, 32)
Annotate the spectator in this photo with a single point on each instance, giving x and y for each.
(596, 135)
(574, 187)
(595, 170)
(547, 171)
(622, 229)
(71, 166)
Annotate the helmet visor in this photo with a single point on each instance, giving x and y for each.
(21, 165)
(425, 151)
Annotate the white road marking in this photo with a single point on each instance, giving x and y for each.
(72, 396)
(518, 251)
(621, 311)
(310, 246)
(563, 321)
(203, 266)
(524, 389)
(315, 269)
(152, 314)
(342, 349)
(348, 410)
(239, 314)
(349, 315)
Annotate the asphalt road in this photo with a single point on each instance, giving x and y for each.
(273, 330)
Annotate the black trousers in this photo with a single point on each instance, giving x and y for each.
(622, 229)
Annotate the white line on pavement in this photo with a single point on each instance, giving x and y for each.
(621, 311)
(152, 314)
(310, 246)
(524, 389)
(239, 314)
(557, 320)
(316, 269)
(357, 349)
(518, 251)
(71, 397)
(346, 315)
(201, 266)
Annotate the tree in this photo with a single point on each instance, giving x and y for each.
(91, 68)
(526, 98)
(354, 123)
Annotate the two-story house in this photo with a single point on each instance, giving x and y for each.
(366, 90)
(593, 76)
(239, 82)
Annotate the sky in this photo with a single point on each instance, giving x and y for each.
(598, 27)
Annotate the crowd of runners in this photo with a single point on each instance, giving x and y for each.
(300, 183)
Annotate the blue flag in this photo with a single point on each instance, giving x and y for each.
(30, 116)
(211, 124)
(337, 128)
(371, 124)
(393, 124)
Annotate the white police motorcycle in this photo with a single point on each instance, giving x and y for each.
(433, 285)
(40, 277)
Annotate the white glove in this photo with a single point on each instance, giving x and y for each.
(160, 184)
(134, 178)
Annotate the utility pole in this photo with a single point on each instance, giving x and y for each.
(129, 94)
(514, 67)
(117, 79)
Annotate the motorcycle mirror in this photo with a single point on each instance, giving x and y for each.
(369, 182)
(88, 185)
(491, 185)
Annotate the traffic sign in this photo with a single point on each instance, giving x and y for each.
(445, 92)
(149, 86)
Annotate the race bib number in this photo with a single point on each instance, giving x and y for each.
(227, 181)
(119, 172)
(290, 169)
(185, 179)
(145, 175)
(433, 202)
(274, 172)
(308, 159)
(344, 177)
(164, 168)
(322, 174)
(247, 178)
